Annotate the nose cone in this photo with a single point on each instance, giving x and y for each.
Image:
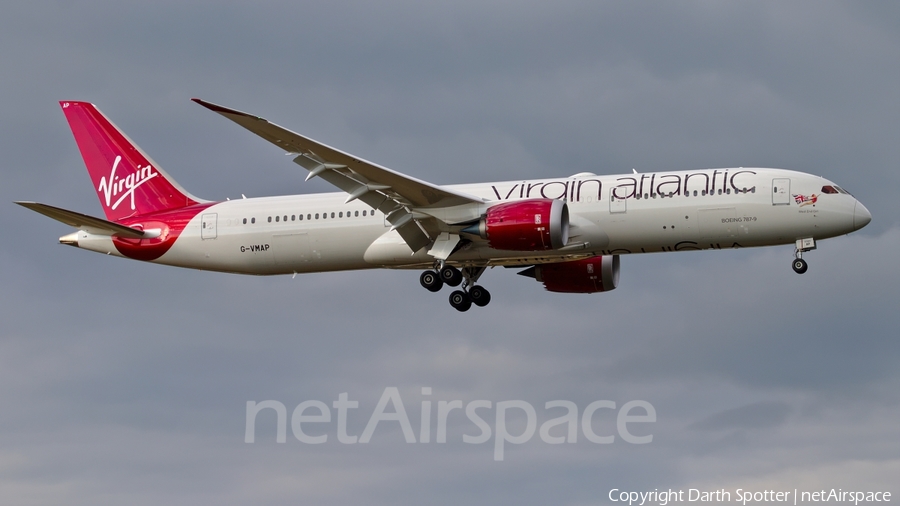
(861, 216)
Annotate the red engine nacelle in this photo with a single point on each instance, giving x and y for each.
(589, 275)
(525, 225)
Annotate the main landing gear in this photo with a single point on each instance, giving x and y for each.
(461, 300)
(799, 265)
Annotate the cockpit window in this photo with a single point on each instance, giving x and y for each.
(843, 190)
(829, 189)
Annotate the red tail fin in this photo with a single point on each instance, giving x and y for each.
(127, 181)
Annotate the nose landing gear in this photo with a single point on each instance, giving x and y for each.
(799, 264)
(461, 300)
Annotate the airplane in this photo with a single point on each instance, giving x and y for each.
(566, 232)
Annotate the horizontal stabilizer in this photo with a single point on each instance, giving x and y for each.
(84, 222)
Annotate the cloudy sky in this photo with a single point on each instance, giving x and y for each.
(127, 383)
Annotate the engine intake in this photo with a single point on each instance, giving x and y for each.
(525, 225)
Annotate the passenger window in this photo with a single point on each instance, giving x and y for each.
(341, 214)
(332, 215)
(245, 221)
(309, 216)
(364, 213)
(285, 217)
(317, 216)
(300, 217)
(355, 213)
(276, 219)
(252, 220)
(270, 219)
(292, 217)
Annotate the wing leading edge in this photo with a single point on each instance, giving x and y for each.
(404, 200)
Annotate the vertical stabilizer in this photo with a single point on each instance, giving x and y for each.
(128, 183)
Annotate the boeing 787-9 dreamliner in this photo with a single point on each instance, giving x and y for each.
(566, 232)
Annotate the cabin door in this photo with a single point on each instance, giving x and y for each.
(781, 191)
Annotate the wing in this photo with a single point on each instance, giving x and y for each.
(404, 200)
(84, 222)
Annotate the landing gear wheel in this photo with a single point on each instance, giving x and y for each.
(451, 275)
(460, 300)
(431, 281)
(800, 266)
(480, 296)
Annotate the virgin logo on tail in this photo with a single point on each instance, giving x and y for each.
(124, 187)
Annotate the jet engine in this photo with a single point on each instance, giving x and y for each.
(588, 275)
(524, 225)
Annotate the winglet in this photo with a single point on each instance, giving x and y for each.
(222, 110)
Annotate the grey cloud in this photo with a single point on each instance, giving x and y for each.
(760, 415)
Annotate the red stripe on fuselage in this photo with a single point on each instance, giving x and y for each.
(170, 223)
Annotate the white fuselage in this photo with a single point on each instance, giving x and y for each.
(609, 215)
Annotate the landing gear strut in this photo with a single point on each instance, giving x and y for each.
(461, 300)
(799, 264)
